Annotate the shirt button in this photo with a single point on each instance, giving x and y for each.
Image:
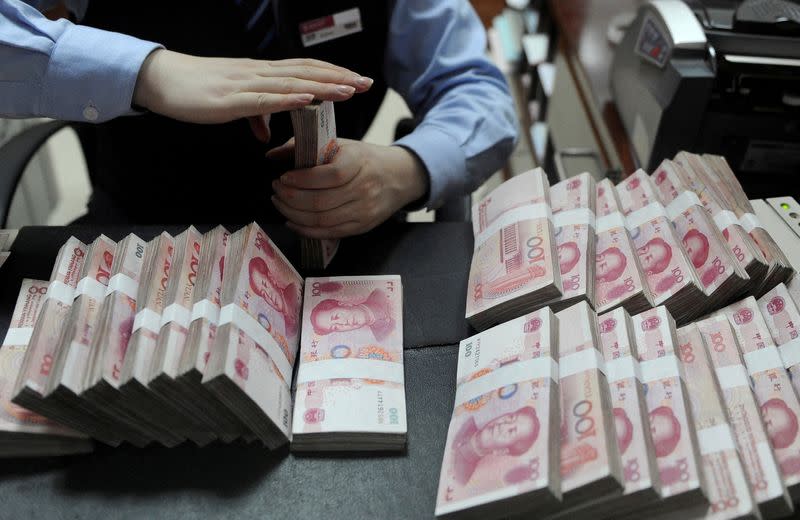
(90, 113)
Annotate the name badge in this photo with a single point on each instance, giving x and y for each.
(330, 27)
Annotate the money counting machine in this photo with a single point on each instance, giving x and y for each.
(715, 76)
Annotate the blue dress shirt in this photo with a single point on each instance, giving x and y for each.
(435, 59)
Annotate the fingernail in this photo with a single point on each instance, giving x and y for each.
(302, 98)
(364, 81)
(345, 89)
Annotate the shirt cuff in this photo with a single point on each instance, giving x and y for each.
(92, 74)
(443, 159)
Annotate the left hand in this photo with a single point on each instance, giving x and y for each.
(362, 187)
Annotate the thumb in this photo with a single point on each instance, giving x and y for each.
(284, 152)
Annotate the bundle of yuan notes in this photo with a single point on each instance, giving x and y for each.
(684, 237)
(501, 456)
(350, 391)
(315, 144)
(194, 337)
(514, 264)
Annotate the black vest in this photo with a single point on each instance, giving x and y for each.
(150, 169)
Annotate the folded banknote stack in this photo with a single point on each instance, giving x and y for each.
(656, 420)
(684, 237)
(194, 337)
(315, 144)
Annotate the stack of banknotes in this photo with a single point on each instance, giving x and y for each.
(315, 144)
(698, 421)
(194, 337)
(684, 237)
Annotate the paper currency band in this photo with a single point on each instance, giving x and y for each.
(682, 202)
(645, 214)
(206, 309)
(18, 336)
(176, 313)
(235, 315)
(350, 368)
(660, 368)
(790, 353)
(526, 212)
(725, 219)
(623, 368)
(715, 439)
(732, 376)
(60, 292)
(90, 287)
(147, 319)
(750, 222)
(763, 359)
(574, 217)
(507, 375)
(610, 221)
(577, 362)
(122, 283)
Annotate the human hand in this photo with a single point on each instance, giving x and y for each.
(218, 90)
(361, 187)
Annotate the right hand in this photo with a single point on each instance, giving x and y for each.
(218, 90)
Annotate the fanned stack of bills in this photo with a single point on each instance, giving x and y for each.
(728, 489)
(721, 276)
(783, 319)
(779, 404)
(501, 456)
(693, 173)
(752, 441)
(573, 202)
(350, 387)
(590, 460)
(719, 174)
(24, 433)
(672, 425)
(37, 364)
(514, 267)
(250, 367)
(315, 144)
(619, 279)
(202, 333)
(671, 277)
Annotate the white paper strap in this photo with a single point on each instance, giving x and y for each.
(660, 368)
(206, 309)
(589, 359)
(147, 319)
(645, 214)
(574, 217)
(623, 368)
(526, 212)
(610, 221)
(60, 292)
(750, 222)
(763, 359)
(725, 219)
(90, 287)
(350, 368)
(790, 353)
(507, 375)
(732, 376)
(18, 336)
(682, 202)
(124, 284)
(234, 314)
(715, 439)
(176, 313)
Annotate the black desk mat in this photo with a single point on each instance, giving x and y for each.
(241, 481)
(432, 258)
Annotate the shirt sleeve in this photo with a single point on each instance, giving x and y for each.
(436, 60)
(65, 71)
